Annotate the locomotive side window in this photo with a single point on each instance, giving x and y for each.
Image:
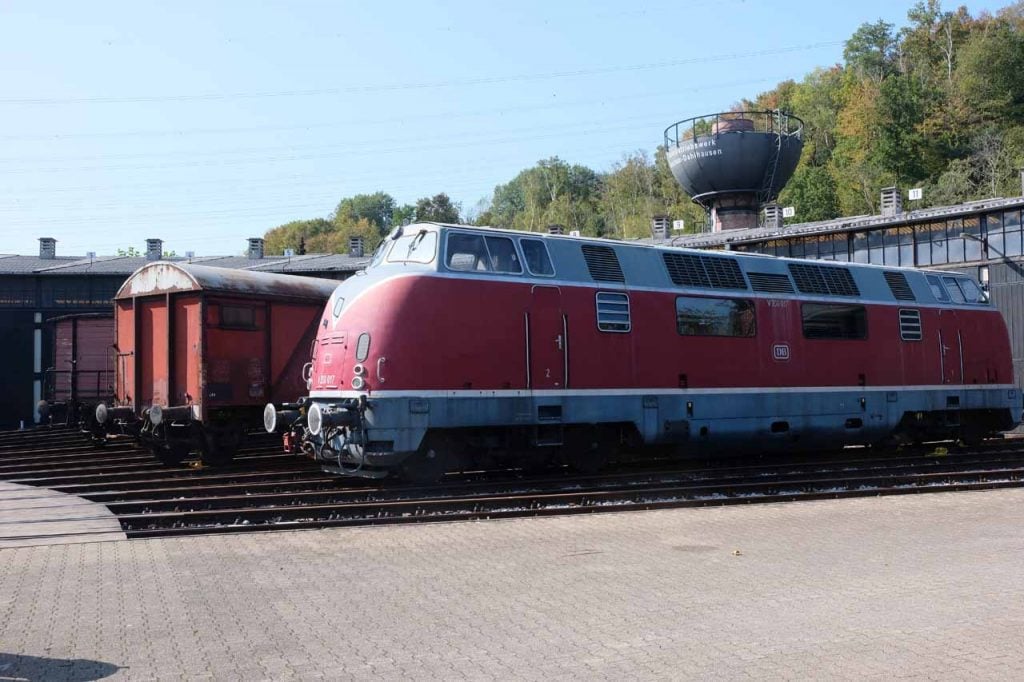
(954, 290)
(829, 321)
(910, 325)
(237, 317)
(936, 286)
(467, 252)
(537, 260)
(970, 291)
(973, 292)
(339, 303)
(697, 316)
(613, 312)
(504, 257)
(414, 248)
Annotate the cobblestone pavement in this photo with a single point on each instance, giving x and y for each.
(927, 586)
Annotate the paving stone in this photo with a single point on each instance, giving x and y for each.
(915, 587)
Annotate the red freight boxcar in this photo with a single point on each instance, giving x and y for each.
(82, 373)
(200, 350)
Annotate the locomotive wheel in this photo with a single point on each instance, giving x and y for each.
(430, 463)
(589, 450)
(172, 454)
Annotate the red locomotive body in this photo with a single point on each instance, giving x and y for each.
(201, 349)
(461, 345)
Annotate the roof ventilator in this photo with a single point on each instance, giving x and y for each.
(602, 263)
(709, 272)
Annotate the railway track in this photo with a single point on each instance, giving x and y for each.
(266, 490)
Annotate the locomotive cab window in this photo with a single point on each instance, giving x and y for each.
(475, 253)
(466, 252)
(966, 289)
(937, 290)
(504, 257)
(613, 312)
(538, 262)
(830, 321)
(700, 316)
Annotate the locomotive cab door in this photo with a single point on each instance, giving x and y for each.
(546, 340)
(951, 351)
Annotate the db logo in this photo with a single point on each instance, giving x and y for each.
(780, 351)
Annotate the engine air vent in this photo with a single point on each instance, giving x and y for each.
(899, 286)
(910, 325)
(823, 279)
(708, 272)
(602, 263)
(769, 281)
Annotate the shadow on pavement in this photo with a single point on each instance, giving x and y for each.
(14, 667)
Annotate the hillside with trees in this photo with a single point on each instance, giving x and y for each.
(937, 104)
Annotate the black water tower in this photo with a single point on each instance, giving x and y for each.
(734, 162)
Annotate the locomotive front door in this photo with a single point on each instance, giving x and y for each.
(951, 351)
(546, 342)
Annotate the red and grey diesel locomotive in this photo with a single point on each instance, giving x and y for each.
(459, 346)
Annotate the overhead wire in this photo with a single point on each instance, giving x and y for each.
(466, 82)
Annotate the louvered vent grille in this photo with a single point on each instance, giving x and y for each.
(767, 281)
(899, 286)
(910, 325)
(818, 279)
(602, 263)
(708, 272)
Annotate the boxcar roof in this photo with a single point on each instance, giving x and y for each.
(163, 277)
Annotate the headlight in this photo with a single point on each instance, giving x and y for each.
(270, 418)
(315, 419)
(358, 383)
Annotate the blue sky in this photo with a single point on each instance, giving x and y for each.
(204, 123)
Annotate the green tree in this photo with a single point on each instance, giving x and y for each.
(294, 235)
(438, 208)
(812, 192)
(337, 239)
(551, 192)
(404, 214)
(377, 208)
(870, 51)
(989, 74)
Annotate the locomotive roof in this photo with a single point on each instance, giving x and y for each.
(635, 265)
(163, 277)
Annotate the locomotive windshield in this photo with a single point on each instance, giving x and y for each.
(414, 248)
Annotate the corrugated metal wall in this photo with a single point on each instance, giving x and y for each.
(1006, 285)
